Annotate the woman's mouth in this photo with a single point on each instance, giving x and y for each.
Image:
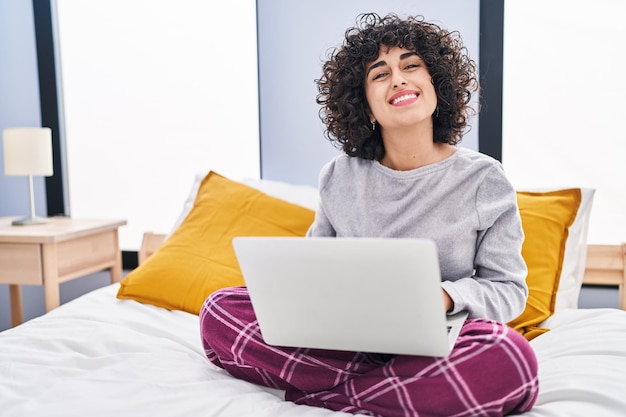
(403, 98)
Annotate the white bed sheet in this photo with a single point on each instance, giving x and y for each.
(100, 356)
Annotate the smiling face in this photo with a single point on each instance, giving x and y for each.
(399, 89)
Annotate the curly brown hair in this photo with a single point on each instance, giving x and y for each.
(342, 85)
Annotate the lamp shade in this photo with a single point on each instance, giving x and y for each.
(27, 151)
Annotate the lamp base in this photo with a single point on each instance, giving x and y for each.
(29, 221)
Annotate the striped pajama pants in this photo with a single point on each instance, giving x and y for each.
(492, 370)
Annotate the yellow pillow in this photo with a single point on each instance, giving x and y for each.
(198, 257)
(546, 219)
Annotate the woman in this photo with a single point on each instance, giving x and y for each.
(395, 97)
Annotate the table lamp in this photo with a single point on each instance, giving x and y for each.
(28, 151)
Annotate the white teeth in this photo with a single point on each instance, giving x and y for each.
(403, 98)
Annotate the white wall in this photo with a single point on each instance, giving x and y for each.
(153, 93)
(19, 99)
(564, 103)
(294, 38)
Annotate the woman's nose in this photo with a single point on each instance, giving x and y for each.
(398, 81)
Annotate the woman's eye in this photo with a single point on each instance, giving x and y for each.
(379, 75)
(411, 66)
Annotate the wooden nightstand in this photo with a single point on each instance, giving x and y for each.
(56, 252)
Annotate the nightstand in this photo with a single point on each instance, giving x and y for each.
(56, 252)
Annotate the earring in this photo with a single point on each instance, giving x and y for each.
(437, 111)
(374, 125)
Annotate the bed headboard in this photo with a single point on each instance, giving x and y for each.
(606, 265)
(149, 244)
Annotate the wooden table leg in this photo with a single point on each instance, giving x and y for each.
(50, 276)
(116, 270)
(17, 313)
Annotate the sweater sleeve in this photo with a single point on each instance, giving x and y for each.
(322, 226)
(498, 289)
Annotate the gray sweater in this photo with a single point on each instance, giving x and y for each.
(464, 203)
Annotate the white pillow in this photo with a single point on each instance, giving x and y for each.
(575, 258)
(302, 195)
(191, 197)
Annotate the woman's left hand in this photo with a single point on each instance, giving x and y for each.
(447, 301)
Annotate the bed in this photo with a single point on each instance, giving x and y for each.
(133, 348)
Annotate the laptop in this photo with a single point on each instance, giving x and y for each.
(378, 295)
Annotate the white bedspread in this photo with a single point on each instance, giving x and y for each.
(99, 356)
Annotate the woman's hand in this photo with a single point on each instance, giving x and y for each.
(447, 301)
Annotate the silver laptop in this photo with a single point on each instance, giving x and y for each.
(357, 294)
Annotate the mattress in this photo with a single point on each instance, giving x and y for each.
(101, 356)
